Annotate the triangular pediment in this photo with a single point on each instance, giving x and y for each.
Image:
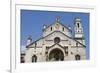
(51, 35)
(57, 26)
(56, 45)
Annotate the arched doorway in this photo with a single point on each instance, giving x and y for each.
(56, 55)
(77, 57)
(34, 58)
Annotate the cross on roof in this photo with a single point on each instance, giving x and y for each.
(58, 18)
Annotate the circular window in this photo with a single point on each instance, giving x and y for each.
(57, 40)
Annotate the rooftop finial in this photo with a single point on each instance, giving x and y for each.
(30, 37)
(44, 26)
(29, 40)
(77, 19)
(58, 18)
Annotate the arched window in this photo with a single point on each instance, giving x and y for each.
(77, 57)
(51, 28)
(34, 58)
(63, 28)
(78, 25)
(56, 40)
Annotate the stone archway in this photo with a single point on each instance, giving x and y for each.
(56, 55)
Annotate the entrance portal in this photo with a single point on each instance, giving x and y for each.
(56, 55)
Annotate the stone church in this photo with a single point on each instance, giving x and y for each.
(58, 43)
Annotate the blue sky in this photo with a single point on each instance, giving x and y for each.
(32, 22)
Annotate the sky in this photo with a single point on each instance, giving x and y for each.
(32, 22)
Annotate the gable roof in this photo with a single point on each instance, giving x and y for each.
(52, 33)
(56, 44)
(60, 24)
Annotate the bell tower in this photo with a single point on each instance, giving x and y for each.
(78, 31)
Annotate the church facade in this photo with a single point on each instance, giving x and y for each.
(57, 43)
